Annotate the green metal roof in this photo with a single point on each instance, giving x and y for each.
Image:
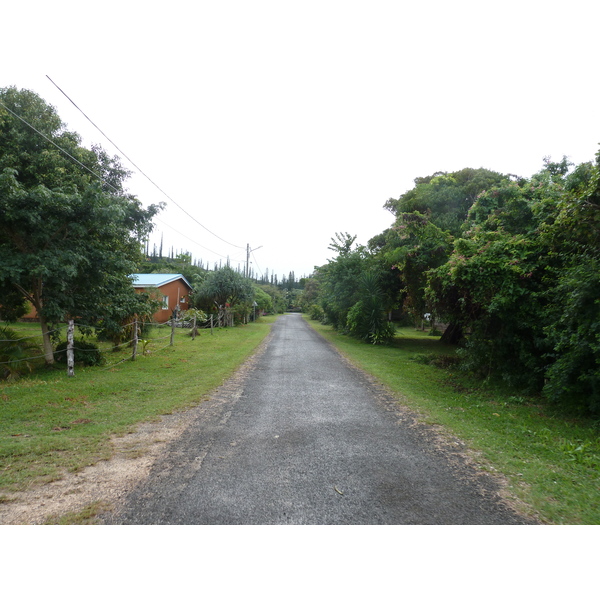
(145, 280)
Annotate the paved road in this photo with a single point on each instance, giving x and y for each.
(305, 438)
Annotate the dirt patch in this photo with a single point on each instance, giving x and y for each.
(108, 482)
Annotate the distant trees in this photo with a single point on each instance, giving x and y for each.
(445, 198)
(351, 297)
(224, 291)
(279, 300)
(510, 263)
(182, 263)
(68, 240)
(522, 280)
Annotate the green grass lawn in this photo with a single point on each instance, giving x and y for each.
(50, 422)
(551, 460)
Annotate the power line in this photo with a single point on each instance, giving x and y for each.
(57, 146)
(230, 258)
(140, 170)
(256, 262)
(99, 177)
(190, 239)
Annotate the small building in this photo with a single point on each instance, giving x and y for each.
(174, 289)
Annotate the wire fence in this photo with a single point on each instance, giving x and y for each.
(133, 335)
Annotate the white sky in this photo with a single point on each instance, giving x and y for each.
(278, 124)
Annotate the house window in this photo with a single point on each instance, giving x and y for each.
(165, 305)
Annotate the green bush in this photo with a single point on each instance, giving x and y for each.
(367, 321)
(16, 354)
(84, 353)
(316, 313)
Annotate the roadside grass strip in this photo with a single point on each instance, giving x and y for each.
(550, 459)
(51, 423)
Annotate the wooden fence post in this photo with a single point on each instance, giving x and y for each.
(70, 349)
(194, 328)
(172, 330)
(211, 325)
(134, 340)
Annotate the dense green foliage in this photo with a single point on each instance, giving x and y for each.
(17, 354)
(70, 235)
(509, 264)
(523, 280)
(348, 293)
(445, 197)
(84, 353)
(226, 293)
(367, 319)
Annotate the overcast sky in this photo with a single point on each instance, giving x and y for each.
(278, 124)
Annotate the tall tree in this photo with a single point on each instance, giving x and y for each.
(338, 290)
(221, 287)
(413, 246)
(572, 322)
(69, 240)
(524, 280)
(445, 197)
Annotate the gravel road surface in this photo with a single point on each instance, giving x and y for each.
(303, 437)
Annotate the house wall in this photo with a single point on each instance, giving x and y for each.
(31, 315)
(175, 291)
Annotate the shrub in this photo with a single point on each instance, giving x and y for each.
(316, 313)
(367, 318)
(84, 353)
(367, 321)
(16, 354)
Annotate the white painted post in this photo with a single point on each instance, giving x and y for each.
(70, 349)
(134, 340)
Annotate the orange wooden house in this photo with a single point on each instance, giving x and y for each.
(173, 287)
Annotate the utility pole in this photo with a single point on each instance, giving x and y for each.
(248, 259)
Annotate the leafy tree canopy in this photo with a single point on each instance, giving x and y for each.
(223, 286)
(524, 280)
(511, 264)
(446, 197)
(68, 240)
(350, 292)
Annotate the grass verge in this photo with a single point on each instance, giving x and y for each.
(50, 422)
(551, 460)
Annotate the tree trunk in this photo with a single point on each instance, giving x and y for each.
(48, 350)
(36, 300)
(453, 334)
